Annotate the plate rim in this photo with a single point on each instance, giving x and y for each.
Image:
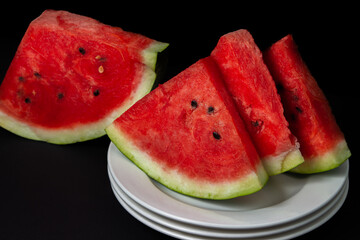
(230, 220)
(292, 233)
(211, 232)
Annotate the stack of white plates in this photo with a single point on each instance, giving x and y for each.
(288, 206)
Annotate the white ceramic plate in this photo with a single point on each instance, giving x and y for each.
(309, 226)
(219, 233)
(285, 198)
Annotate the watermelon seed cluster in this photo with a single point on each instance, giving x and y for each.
(100, 68)
(294, 97)
(61, 95)
(20, 92)
(210, 110)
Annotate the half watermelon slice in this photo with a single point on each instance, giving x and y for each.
(321, 141)
(187, 135)
(250, 84)
(72, 76)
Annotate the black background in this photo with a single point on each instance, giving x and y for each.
(63, 192)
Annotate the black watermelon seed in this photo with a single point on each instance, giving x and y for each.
(255, 123)
(210, 109)
(216, 135)
(36, 74)
(298, 109)
(60, 95)
(21, 79)
(82, 50)
(96, 92)
(27, 100)
(194, 104)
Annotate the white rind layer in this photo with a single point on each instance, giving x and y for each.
(150, 53)
(176, 181)
(284, 162)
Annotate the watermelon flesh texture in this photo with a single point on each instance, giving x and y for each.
(187, 135)
(253, 89)
(72, 76)
(321, 141)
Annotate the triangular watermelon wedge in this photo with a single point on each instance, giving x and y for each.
(253, 89)
(187, 135)
(321, 141)
(72, 76)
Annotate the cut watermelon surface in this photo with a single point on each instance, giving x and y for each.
(72, 76)
(251, 86)
(321, 141)
(187, 135)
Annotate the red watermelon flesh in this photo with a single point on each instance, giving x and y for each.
(114, 36)
(321, 141)
(253, 89)
(72, 76)
(187, 135)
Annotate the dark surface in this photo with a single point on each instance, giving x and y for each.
(63, 192)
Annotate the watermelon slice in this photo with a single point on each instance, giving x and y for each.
(187, 135)
(253, 89)
(321, 141)
(72, 76)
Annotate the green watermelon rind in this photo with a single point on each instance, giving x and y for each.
(328, 161)
(88, 131)
(179, 182)
(283, 162)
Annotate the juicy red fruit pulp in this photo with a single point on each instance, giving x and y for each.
(63, 80)
(306, 107)
(193, 129)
